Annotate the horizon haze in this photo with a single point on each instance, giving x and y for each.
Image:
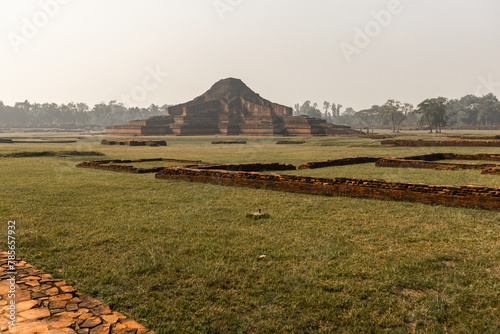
(354, 53)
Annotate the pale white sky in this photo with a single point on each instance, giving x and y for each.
(356, 53)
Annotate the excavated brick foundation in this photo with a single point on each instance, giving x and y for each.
(219, 142)
(429, 161)
(491, 170)
(135, 142)
(290, 142)
(111, 165)
(337, 162)
(250, 167)
(432, 143)
(467, 196)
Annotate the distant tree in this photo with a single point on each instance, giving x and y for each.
(433, 112)
(326, 106)
(370, 117)
(336, 109)
(395, 113)
(347, 117)
(469, 110)
(349, 111)
(453, 109)
(488, 110)
(309, 109)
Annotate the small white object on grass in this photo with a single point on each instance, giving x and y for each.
(258, 215)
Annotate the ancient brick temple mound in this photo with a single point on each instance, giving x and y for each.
(44, 304)
(468, 196)
(430, 161)
(337, 162)
(290, 142)
(432, 143)
(228, 142)
(230, 107)
(135, 142)
(112, 165)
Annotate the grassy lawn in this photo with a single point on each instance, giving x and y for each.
(180, 257)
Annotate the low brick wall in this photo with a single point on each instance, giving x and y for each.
(479, 156)
(250, 167)
(428, 161)
(6, 141)
(425, 157)
(403, 163)
(468, 196)
(337, 162)
(135, 142)
(111, 165)
(422, 143)
(376, 136)
(481, 137)
(491, 170)
(229, 142)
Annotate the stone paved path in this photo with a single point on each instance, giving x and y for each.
(47, 305)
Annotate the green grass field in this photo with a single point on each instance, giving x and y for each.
(180, 257)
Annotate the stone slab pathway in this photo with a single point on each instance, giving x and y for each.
(47, 305)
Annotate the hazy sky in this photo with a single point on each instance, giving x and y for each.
(356, 53)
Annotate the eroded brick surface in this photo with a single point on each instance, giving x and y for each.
(44, 304)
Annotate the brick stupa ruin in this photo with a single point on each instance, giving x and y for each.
(229, 107)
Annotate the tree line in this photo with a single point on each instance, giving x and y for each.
(24, 114)
(434, 113)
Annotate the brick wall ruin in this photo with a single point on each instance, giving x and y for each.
(403, 163)
(337, 162)
(218, 142)
(250, 167)
(491, 170)
(249, 175)
(290, 142)
(111, 165)
(135, 142)
(468, 196)
(429, 161)
(431, 143)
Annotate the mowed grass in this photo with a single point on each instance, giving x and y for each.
(180, 257)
